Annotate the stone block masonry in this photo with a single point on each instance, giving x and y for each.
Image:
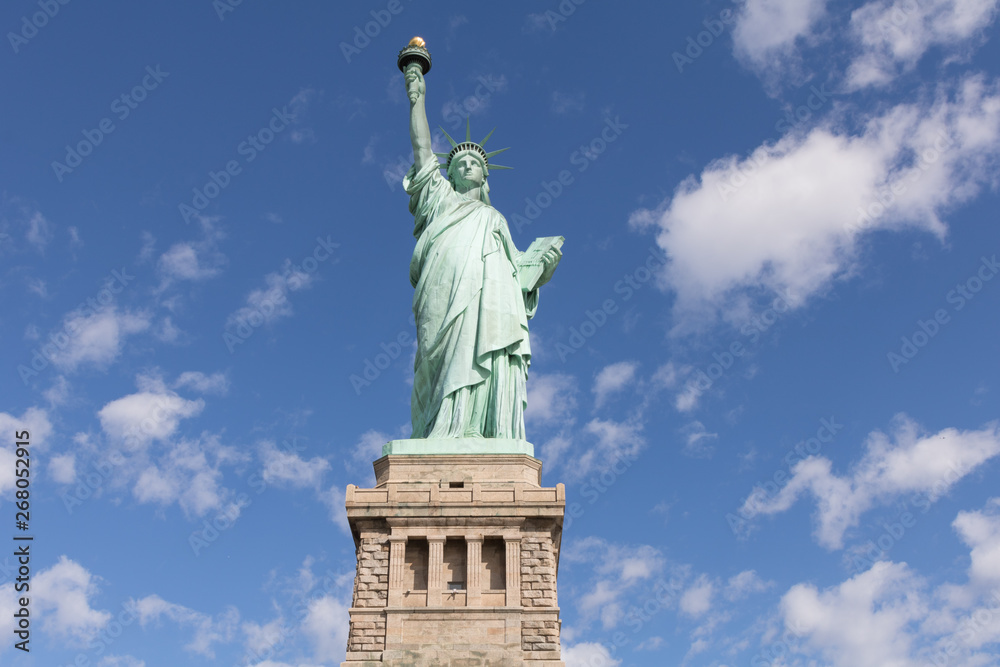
(457, 561)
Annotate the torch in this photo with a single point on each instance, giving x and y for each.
(415, 52)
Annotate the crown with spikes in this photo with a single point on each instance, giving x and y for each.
(470, 146)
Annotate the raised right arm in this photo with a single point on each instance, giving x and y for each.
(420, 132)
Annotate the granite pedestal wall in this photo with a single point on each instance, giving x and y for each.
(457, 563)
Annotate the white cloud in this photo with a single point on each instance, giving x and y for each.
(193, 260)
(216, 383)
(551, 399)
(766, 30)
(787, 220)
(697, 599)
(62, 468)
(665, 376)
(121, 661)
(981, 531)
(886, 615)
(893, 35)
(480, 96)
(36, 422)
(300, 104)
(745, 583)
(613, 378)
(261, 639)
(612, 443)
(863, 622)
(97, 337)
(38, 286)
(153, 413)
(616, 570)
(189, 474)
(687, 398)
(271, 302)
(697, 439)
(61, 598)
(369, 447)
(184, 261)
(58, 392)
(281, 466)
(207, 630)
(326, 624)
(39, 231)
(588, 654)
(908, 462)
(566, 102)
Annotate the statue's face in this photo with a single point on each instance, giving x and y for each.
(467, 170)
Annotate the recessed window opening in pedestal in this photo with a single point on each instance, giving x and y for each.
(415, 564)
(454, 563)
(456, 485)
(494, 564)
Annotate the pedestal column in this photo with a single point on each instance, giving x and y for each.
(435, 570)
(474, 570)
(513, 577)
(397, 563)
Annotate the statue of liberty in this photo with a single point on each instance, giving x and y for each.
(474, 291)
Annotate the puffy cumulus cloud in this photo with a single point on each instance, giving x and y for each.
(184, 261)
(745, 583)
(697, 599)
(887, 615)
(907, 462)
(766, 31)
(62, 598)
(612, 379)
(62, 468)
(326, 625)
(787, 219)
(33, 420)
(369, 446)
(193, 260)
(95, 337)
(616, 571)
(981, 531)
(551, 399)
(893, 35)
(208, 631)
(152, 413)
(216, 383)
(189, 473)
(863, 622)
(285, 467)
(604, 444)
(588, 654)
(270, 303)
(263, 639)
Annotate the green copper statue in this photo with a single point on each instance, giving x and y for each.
(475, 292)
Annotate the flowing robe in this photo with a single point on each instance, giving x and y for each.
(471, 314)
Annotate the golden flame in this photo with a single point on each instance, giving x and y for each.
(417, 41)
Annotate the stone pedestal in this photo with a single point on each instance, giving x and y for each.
(457, 562)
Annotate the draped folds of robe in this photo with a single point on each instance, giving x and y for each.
(471, 315)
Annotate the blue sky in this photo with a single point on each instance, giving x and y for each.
(765, 368)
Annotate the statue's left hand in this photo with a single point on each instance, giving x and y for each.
(551, 260)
